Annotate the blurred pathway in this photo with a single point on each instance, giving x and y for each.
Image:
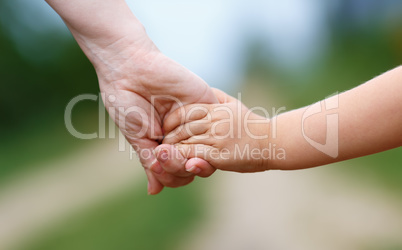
(309, 209)
(37, 199)
(312, 209)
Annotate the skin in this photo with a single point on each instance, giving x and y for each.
(212, 132)
(368, 120)
(132, 72)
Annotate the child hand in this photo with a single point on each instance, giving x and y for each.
(227, 135)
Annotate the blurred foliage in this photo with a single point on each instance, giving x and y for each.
(359, 49)
(32, 90)
(43, 70)
(354, 55)
(39, 74)
(131, 220)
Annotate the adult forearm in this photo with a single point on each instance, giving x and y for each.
(102, 28)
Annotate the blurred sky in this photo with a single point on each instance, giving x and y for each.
(209, 37)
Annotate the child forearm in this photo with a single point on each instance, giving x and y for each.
(361, 121)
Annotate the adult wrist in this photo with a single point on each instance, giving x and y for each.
(114, 47)
(104, 30)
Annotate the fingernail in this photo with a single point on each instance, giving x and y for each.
(156, 167)
(193, 170)
(163, 155)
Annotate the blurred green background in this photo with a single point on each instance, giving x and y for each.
(42, 69)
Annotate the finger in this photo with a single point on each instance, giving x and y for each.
(170, 180)
(154, 186)
(144, 149)
(185, 114)
(185, 131)
(201, 151)
(199, 167)
(157, 177)
(171, 160)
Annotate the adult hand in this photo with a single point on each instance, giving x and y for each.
(139, 84)
(143, 93)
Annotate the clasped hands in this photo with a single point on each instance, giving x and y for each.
(187, 128)
(161, 107)
(144, 91)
